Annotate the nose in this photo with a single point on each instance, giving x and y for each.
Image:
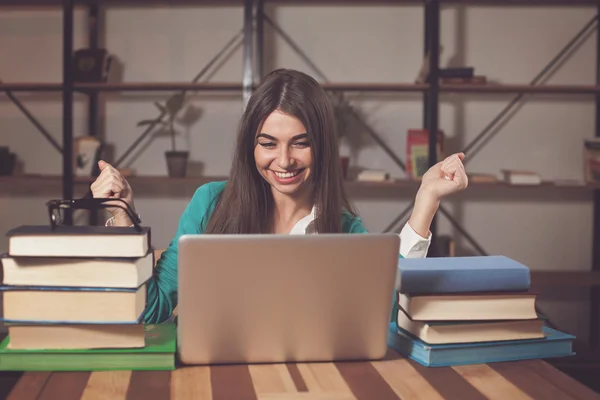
(284, 158)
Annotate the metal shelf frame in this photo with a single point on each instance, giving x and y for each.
(252, 39)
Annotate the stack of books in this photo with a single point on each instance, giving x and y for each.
(74, 298)
(469, 310)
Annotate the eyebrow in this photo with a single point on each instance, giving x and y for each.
(300, 136)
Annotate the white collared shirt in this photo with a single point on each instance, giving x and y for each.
(412, 245)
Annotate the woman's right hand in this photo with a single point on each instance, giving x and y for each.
(111, 184)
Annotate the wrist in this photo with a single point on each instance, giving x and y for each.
(428, 195)
(122, 220)
(426, 205)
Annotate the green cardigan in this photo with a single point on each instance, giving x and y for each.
(162, 287)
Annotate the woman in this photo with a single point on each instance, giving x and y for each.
(285, 178)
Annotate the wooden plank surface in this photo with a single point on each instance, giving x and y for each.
(404, 379)
(65, 385)
(529, 381)
(29, 386)
(107, 385)
(271, 378)
(392, 378)
(297, 377)
(448, 383)
(490, 383)
(563, 381)
(145, 385)
(231, 382)
(191, 383)
(365, 382)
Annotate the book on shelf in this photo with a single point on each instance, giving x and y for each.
(478, 177)
(591, 156)
(78, 241)
(519, 177)
(417, 151)
(373, 175)
(456, 72)
(456, 80)
(159, 353)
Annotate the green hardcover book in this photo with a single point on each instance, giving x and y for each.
(158, 354)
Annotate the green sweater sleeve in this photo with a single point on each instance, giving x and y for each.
(162, 287)
(355, 225)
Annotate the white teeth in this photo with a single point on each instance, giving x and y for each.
(284, 175)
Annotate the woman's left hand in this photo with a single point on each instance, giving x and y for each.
(446, 177)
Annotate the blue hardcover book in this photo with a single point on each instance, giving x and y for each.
(554, 344)
(461, 275)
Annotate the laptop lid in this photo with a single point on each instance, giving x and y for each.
(279, 298)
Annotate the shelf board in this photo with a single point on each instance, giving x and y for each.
(342, 86)
(31, 87)
(565, 278)
(376, 87)
(210, 86)
(122, 2)
(159, 86)
(300, 2)
(509, 88)
(123, 86)
(167, 186)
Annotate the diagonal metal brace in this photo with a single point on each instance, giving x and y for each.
(451, 219)
(488, 128)
(462, 231)
(150, 127)
(400, 217)
(33, 120)
(321, 75)
(535, 80)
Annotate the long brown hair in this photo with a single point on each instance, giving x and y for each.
(245, 204)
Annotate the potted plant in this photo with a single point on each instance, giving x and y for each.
(350, 128)
(177, 160)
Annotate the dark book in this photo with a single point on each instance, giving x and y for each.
(456, 72)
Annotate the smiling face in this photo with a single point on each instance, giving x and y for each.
(282, 153)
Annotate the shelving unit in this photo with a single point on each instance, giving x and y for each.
(164, 185)
(347, 87)
(253, 67)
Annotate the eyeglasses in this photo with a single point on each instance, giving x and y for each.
(57, 209)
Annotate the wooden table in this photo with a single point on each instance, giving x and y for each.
(394, 378)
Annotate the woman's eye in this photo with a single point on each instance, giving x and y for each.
(267, 144)
(302, 144)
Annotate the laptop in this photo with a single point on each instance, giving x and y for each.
(285, 298)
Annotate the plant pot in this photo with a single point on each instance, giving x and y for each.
(177, 163)
(7, 161)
